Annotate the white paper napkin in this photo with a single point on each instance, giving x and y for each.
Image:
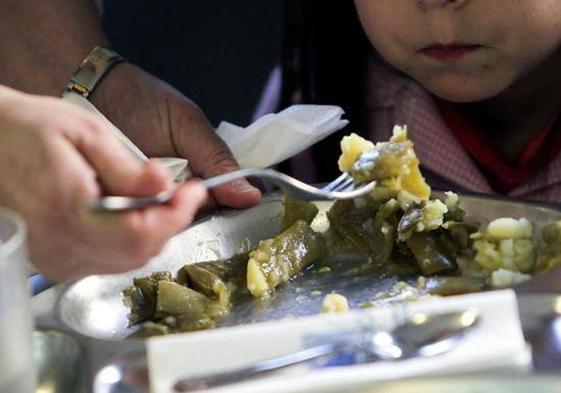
(276, 137)
(271, 139)
(496, 343)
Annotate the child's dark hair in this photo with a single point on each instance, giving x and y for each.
(324, 62)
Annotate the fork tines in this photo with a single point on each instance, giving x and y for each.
(342, 183)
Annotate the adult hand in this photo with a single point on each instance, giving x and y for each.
(162, 122)
(54, 158)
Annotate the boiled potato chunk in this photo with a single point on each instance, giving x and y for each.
(334, 303)
(506, 243)
(352, 147)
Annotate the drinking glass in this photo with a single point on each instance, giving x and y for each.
(17, 371)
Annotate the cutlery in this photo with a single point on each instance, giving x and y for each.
(341, 188)
(422, 335)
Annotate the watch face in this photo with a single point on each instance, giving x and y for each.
(97, 58)
(92, 69)
(102, 57)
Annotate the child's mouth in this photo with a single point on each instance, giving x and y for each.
(448, 52)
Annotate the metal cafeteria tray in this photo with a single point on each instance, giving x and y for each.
(92, 308)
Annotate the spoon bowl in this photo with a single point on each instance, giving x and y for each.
(424, 335)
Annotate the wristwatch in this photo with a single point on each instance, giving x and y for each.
(92, 70)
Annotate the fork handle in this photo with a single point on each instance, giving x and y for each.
(216, 181)
(288, 184)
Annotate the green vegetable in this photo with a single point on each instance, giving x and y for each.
(295, 210)
(549, 255)
(176, 299)
(142, 296)
(277, 260)
(218, 279)
(447, 286)
(431, 254)
(364, 226)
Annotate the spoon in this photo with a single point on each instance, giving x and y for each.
(421, 336)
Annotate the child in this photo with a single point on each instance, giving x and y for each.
(478, 83)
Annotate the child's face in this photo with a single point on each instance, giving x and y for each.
(463, 50)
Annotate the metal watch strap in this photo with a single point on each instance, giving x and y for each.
(92, 70)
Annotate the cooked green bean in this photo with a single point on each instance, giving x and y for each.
(431, 255)
(218, 279)
(277, 260)
(452, 285)
(177, 299)
(295, 210)
(142, 296)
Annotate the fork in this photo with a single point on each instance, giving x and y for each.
(341, 188)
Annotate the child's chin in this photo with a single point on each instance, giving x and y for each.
(466, 91)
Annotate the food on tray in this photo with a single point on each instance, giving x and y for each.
(298, 210)
(334, 303)
(364, 226)
(397, 218)
(177, 307)
(219, 280)
(396, 229)
(175, 299)
(549, 256)
(277, 260)
(200, 293)
(142, 296)
(506, 249)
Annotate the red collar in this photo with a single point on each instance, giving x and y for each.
(503, 174)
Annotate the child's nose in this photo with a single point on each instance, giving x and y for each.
(428, 4)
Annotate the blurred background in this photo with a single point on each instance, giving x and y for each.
(219, 53)
(222, 54)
